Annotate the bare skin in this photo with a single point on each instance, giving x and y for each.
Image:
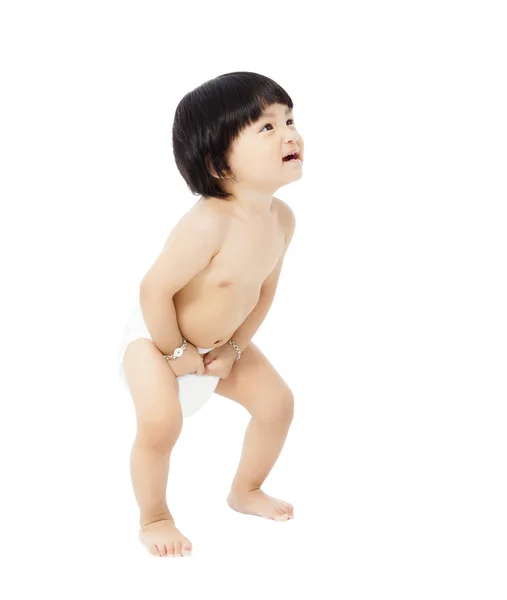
(215, 303)
(257, 386)
(210, 308)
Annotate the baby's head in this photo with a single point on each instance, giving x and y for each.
(222, 140)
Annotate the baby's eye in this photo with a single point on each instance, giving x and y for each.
(270, 123)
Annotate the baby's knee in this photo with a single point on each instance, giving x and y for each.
(280, 407)
(159, 434)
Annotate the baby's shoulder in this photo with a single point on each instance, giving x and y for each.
(203, 215)
(199, 222)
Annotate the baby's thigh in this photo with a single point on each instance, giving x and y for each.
(154, 390)
(256, 384)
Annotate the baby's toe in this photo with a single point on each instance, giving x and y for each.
(281, 515)
(178, 551)
(288, 510)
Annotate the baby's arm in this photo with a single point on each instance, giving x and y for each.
(191, 245)
(243, 335)
(289, 223)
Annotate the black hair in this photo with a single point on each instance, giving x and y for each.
(210, 117)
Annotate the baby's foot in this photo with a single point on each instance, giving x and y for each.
(256, 502)
(161, 538)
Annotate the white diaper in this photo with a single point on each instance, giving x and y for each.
(194, 390)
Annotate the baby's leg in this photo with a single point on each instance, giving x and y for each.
(154, 389)
(256, 384)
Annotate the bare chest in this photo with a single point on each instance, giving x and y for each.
(248, 255)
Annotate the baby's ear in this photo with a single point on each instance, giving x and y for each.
(210, 167)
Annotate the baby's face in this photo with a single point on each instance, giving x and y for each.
(256, 155)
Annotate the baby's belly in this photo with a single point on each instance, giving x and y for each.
(211, 319)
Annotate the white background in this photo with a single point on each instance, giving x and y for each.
(389, 323)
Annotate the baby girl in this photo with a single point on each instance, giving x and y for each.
(189, 335)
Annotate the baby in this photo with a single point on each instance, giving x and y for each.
(201, 302)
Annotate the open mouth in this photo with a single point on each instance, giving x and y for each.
(290, 157)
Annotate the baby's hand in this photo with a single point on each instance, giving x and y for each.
(220, 361)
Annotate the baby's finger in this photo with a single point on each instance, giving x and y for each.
(200, 368)
(210, 367)
(208, 358)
